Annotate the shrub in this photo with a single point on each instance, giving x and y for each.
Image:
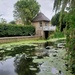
(57, 35)
(16, 30)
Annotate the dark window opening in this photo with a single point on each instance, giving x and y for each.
(40, 24)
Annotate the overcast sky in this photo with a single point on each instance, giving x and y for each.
(7, 7)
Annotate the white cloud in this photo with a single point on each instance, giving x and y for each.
(7, 7)
(47, 7)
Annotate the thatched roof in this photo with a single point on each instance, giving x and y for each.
(40, 17)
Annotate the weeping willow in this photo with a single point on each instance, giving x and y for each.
(69, 5)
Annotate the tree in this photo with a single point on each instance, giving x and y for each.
(70, 28)
(12, 22)
(62, 4)
(26, 10)
(2, 20)
(23, 65)
(55, 20)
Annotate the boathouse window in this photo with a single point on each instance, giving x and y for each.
(46, 23)
(40, 24)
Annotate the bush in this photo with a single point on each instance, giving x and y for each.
(16, 30)
(57, 35)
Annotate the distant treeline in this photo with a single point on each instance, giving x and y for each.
(16, 30)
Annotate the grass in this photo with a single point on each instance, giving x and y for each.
(57, 34)
(30, 41)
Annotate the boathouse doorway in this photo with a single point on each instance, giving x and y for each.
(46, 34)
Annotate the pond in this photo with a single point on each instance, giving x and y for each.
(34, 59)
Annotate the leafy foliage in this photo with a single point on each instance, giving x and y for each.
(12, 22)
(71, 40)
(57, 35)
(56, 20)
(26, 10)
(62, 4)
(16, 30)
(70, 28)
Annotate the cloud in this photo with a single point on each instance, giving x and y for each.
(47, 7)
(7, 7)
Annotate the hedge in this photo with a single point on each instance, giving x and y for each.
(16, 30)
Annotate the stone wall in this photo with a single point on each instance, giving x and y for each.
(39, 30)
(17, 39)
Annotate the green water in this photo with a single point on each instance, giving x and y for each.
(33, 59)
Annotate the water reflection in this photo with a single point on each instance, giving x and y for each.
(7, 67)
(21, 64)
(25, 66)
(26, 59)
(48, 44)
(17, 50)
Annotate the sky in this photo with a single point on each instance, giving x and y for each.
(7, 8)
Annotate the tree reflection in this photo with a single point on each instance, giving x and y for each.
(48, 44)
(29, 50)
(25, 66)
(21, 49)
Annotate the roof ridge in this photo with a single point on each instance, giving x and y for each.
(40, 17)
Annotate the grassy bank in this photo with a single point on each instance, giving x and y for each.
(30, 41)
